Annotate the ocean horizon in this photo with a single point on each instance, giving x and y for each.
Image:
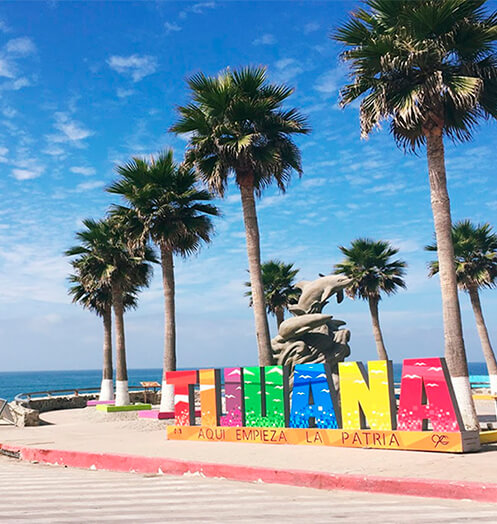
(14, 382)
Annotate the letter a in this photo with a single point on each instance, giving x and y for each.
(315, 379)
(426, 394)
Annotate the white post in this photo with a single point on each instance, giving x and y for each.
(106, 389)
(122, 393)
(167, 397)
(493, 389)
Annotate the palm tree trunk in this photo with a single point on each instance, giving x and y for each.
(122, 393)
(254, 260)
(280, 316)
(486, 346)
(455, 352)
(167, 262)
(378, 336)
(107, 386)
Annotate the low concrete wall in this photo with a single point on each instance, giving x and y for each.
(45, 404)
(54, 403)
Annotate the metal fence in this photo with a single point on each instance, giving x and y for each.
(76, 392)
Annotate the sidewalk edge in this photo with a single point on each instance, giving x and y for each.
(432, 488)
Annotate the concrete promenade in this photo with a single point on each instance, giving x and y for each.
(52, 495)
(89, 431)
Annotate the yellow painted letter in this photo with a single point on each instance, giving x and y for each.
(373, 398)
(210, 401)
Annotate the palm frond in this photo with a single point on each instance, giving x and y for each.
(239, 127)
(418, 62)
(475, 255)
(370, 266)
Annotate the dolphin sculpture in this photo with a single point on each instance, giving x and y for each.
(315, 293)
(296, 326)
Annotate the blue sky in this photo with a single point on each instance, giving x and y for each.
(86, 85)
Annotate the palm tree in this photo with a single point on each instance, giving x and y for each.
(475, 257)
(370, 266)
(165, 205)
(96, 297)
(278, 279)
(237, 126)
(429, 67)
(103, 252)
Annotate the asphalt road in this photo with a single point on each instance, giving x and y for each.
(53, 494)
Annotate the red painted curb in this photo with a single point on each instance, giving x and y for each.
(432, 488)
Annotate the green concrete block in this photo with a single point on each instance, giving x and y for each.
(106, 408)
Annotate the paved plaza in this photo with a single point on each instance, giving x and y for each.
(89, 431)
(53, 494)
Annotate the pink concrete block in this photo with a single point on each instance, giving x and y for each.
(160, 415)
(156, 414)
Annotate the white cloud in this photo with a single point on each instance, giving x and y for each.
(407, 245)
(310, 27)
(26, 168)
(6, 68)
(9, 112)
(27, 174)
(135, 66)
(23, 46)
(197, 9)
(266, 39)
(233, 199)
(69, 130)
(357, 180)
(4, 27)
(83, 170)
(124, 93)
(53, 151)
(51, 318)
(314, 182)
(17, 84)
(172, 27)
(287, 69)
(389, 189)
(329, 82)
(12, 51)
(88, 186)
(186, 137)
(40, 274)
(272, 200)
(200, 7)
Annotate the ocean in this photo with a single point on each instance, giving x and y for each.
(13, 383)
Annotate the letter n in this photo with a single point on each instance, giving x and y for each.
(368, 399)
(266, 396)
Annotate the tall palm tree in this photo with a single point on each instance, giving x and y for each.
(96, 297)
(278, 279)
(370, 266)
(165, 205)
(238, 126)
(475, 257)
(428, 67)
(103, 252)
